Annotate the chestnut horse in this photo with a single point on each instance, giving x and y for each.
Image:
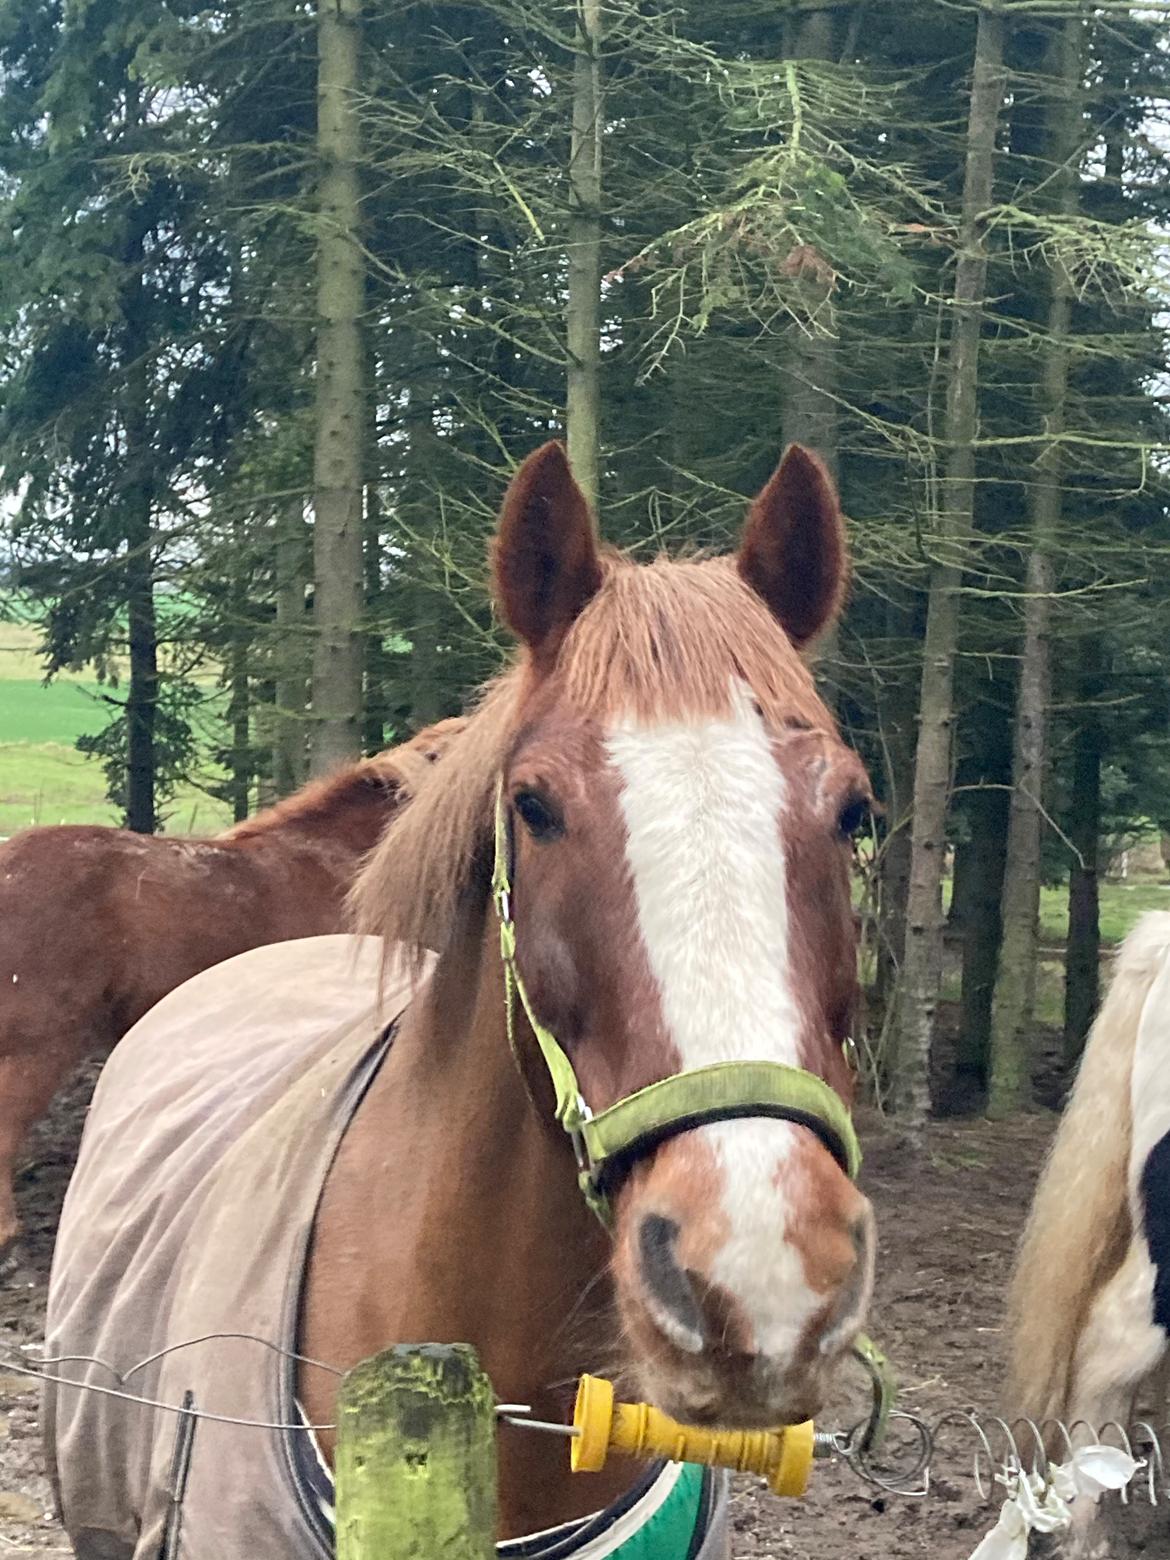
(668, 807)
(97, 924)
(679, 805)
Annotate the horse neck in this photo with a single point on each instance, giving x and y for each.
(481, 1237)
(350, 826)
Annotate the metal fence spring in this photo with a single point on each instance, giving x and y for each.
(919, 1449)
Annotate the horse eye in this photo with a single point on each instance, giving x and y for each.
(539, 818)
(853, 817)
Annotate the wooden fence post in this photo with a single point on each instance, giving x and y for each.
(416, 1457)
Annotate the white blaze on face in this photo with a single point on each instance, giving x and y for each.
(702, 804)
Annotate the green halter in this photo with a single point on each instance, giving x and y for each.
(613, 1138)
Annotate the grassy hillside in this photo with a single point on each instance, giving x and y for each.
(43, 778)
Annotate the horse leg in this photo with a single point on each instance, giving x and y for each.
(1120, 1347)
(9, 1222)
(1157, 1391)
(29, 1078)
(1121, 1344)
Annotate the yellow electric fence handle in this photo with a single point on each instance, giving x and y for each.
(601, 1426)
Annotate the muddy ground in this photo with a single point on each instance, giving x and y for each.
(947, 1227)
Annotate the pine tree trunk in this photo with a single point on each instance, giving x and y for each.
(984, 777)
(426, 702)
(962, 878)
(896, 716)
(1082, 983)
(142, 692)
(1083, 947)
(895, 883)
(810, 410)
(810, 403)
(922, 971)
(239, 722)
(1010, 1082)
(239, 693)
(338, 473)
(1010, 1085)
(983, 864)
(583, 310)
(289, 747)
(374, 702)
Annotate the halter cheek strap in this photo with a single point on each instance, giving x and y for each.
(606, 1144)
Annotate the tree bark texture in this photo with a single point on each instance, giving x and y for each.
(895, 884)
(142, 693)
(1010, 1084)
(896, 712)
(983, 856)
(922, 971)
(426, 696)
(810, 401)
(239, 692)
(583, 310)
(984, 779)
(1082, 982)
(810, 412)
(338, 467)
(289, 745)
(376, 670)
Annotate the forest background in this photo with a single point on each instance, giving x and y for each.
(288, 290)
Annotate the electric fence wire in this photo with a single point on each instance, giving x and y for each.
(916, 1451)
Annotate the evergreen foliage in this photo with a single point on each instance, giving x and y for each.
(678, 235)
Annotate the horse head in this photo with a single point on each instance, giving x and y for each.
(678, 807)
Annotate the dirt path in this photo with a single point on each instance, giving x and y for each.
(947, 1229)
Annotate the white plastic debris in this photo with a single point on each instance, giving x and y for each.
(1037, 1505)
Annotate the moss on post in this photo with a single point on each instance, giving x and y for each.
(416, 1457)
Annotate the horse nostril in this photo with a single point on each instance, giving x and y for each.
(853, 1299)
(670, 1295)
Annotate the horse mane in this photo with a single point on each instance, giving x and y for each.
(658, 641)
(397, 771)
(1079, 1226)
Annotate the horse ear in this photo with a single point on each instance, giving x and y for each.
(793, 550)
(545, 558)
(375, 777)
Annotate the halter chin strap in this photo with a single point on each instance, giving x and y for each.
(607, 1143)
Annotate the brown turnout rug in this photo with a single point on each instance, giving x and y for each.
(189, 1215)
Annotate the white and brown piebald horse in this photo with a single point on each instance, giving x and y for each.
(1089, 1312)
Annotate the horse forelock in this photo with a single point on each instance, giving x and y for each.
(669, 640)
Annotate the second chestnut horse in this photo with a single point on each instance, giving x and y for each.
(97, 924)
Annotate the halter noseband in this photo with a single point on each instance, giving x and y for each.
(608, 1143)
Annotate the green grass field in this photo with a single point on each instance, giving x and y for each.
(47, 782)
(60, 713)
(1122, 904)
(43, 778)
